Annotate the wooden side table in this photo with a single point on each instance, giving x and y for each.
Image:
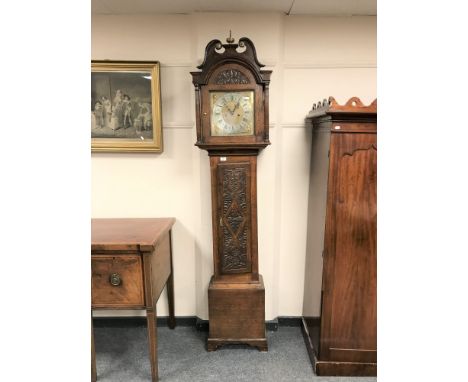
(131, 262)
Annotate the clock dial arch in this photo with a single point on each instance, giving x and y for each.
(232, 113)
(248, 127)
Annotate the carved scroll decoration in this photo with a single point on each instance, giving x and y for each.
(231, 76)
(234, 218)
(353, 105)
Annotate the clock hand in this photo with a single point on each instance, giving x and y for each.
(235, 107)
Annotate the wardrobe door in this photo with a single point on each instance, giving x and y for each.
(349, 324)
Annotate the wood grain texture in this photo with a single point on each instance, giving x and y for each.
(234, 198)
(228, 69)
(128, 293)
(353, 108)
(236, 296)
(346, 341)
(161, 267)
(234, 223)
(350, 289)
(237, 314)
(310, 331)
(260, 343)
(128, 234)
(170, 289)
(139, 253)
(336, 368)
(152, 342)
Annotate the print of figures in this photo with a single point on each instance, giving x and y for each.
(120, 114)
(99, 115)
(144, 118)
(127, 112)
(121, 106)
(117, 105)
(106, 103)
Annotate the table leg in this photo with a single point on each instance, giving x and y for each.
(153, 342)
(93, 355)
(170, 288)
(170, 297)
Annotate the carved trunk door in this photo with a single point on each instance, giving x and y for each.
(351, 280)
(234, 215)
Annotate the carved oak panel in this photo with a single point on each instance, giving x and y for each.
(235, 217)
(231, 76)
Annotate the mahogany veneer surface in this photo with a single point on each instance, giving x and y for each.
(345, 142)
(128, 234)
(131, 262)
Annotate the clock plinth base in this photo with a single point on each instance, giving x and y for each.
(237, 314)
(215, 343)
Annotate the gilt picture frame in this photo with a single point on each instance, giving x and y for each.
(126, 106)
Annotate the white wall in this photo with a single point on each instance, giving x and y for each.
(311, 58)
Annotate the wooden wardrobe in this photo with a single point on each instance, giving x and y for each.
(342, 235)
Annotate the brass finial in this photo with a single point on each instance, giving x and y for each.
(230, 39)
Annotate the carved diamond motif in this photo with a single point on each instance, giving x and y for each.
(234, 219)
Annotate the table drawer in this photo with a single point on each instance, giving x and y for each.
(117, 281)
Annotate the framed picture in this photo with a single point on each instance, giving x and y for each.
(125, 106)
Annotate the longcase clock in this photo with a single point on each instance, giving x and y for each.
(231, 92)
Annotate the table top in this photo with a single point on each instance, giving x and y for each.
(140, 234)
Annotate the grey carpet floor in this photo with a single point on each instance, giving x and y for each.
(122, 356)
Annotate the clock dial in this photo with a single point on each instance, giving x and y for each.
(232, 113)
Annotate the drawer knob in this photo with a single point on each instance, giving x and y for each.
(115, 279)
